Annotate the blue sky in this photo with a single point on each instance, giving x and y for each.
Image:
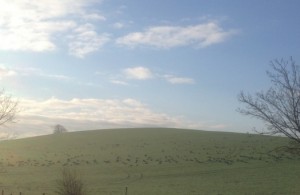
(91, 64)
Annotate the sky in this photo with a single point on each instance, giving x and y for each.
(97, 64)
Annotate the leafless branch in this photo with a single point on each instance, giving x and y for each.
(278, 107)
(8, 108)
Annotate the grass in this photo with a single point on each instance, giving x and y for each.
(152, 161)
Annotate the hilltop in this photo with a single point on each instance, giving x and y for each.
(152, 161)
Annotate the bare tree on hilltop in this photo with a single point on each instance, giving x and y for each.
(59, 129)
(279, 106)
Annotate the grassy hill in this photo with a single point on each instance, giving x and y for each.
(152, 161)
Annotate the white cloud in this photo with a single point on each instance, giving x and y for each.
(6, 72)
(179, 80)
(57, 77)
(86, 40)
(38, 116)
(138, 73)
(30, 71)
(118, 25)
(164, 37)
(118, 82)
(34, 25)
(94, 16)
(143, 73)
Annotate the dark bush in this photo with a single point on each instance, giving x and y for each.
(70, 183)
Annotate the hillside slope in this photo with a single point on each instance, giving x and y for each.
(152, 161)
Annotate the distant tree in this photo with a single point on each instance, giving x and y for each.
(59, 129)
(279, 106)
(8, 108)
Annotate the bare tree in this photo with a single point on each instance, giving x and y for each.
(59, 129)
(70, 183)
(8, 108)
(279, 106)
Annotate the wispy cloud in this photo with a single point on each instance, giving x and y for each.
(179, 80)
(138, 73)
(36, 26)
(94, 16)
(119, 82)
(144, 73)
(164, 37)
(30, 72)
(39, 116)
(118, 25)
(6, 72)
(86, 40)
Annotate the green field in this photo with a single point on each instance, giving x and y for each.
(152, 161)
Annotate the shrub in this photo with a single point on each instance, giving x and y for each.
(70, 183)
